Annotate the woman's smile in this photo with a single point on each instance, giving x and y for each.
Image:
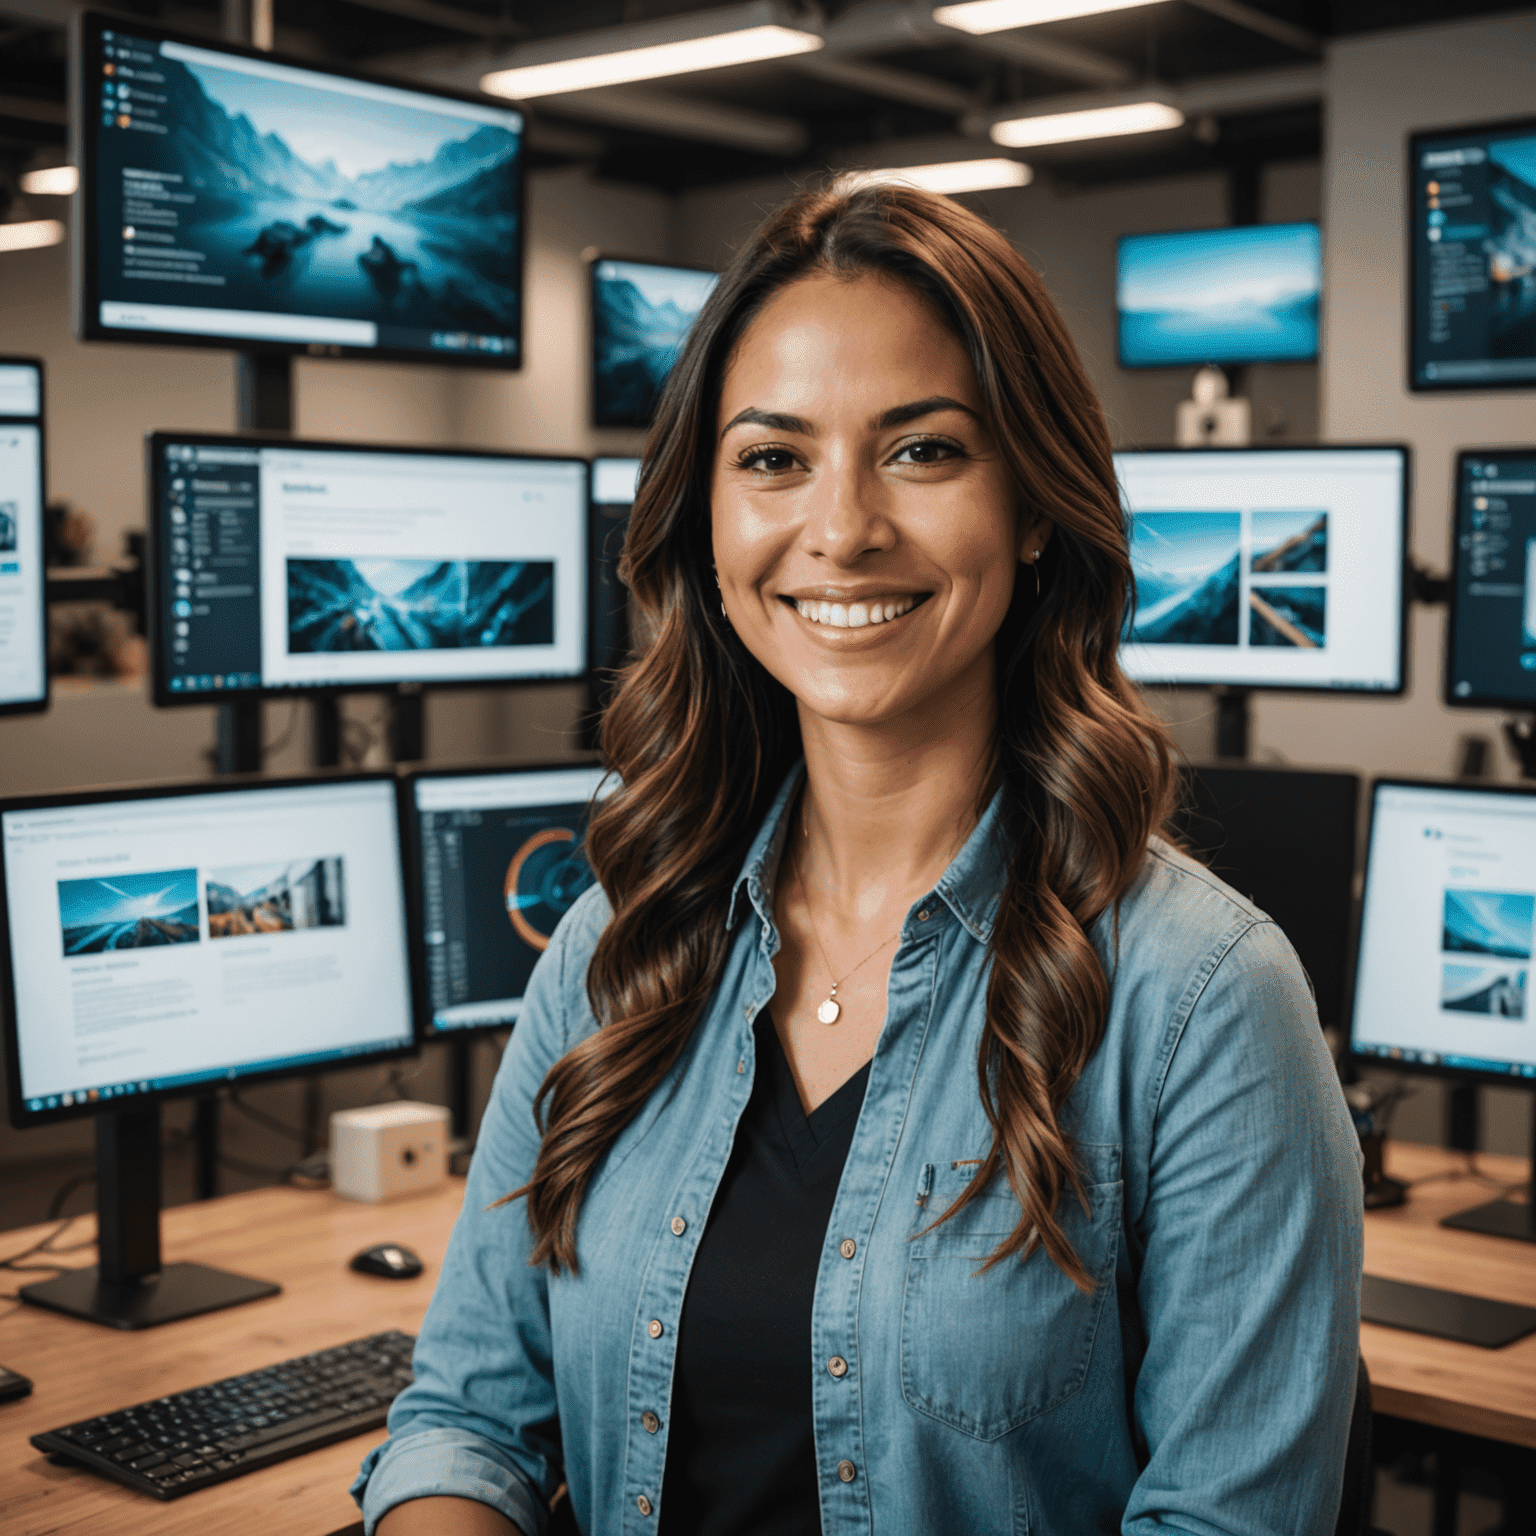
(845, 613)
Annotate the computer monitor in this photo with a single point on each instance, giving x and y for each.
(1447, 924)
(1233, 296)
(289, 565)
(230, 198)
(23, 609)
(157, 942)
(642, 312)
(1268, 567)
(1491, 637)
(1472, 244)
(1284, 838)
(498, 858)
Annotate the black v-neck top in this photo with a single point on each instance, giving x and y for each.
(741, 1450)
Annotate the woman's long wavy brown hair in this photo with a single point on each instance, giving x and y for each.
(702, 737)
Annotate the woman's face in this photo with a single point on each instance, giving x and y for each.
(867, 532)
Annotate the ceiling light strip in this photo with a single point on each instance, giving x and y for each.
(1004, 15)
(1086, 123)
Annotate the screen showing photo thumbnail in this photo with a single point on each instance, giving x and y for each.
(276, 898)
(1489, 923)
(1494, 990)
(641, 316)
(10, 527)
(1187, 577)
(1288, 616)
(128, 911)
(419, 605)
(1284, 542)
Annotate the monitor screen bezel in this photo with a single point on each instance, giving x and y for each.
(1363, 1059)
(1453, 607)
(1405, 580)
(84, 241)
(1410, 329)
(19, 1115)
(164, 698)
(1233, 361)
(594, 258)
(425, 1028)
(40, 704)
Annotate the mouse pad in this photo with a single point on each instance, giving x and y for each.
(1445, 1314)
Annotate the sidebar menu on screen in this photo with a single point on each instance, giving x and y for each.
(210, 563)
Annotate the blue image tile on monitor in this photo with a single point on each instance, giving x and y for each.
(641, 315)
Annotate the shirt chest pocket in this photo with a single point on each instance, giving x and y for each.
(987, 1352)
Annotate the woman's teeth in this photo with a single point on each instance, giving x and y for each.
(853, 615)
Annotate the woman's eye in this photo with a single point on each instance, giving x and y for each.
(768, 461)
(927, 451)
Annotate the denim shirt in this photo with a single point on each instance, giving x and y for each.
(1205, 1384)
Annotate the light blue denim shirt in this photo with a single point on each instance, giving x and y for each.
(1205, 1385)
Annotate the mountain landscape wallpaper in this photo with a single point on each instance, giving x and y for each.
(1294, 616)
(1187, 577)
(313, 201)
(1289, 541)
(641, 315)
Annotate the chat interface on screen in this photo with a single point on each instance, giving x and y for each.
(248, 199)
(164, 942)
(1266, 569)
(1493, 638)
(1244, 295)
(641, 316)
(310, 567)
(501, 864)
(21, 391)
(23, 664)
(1474, 237)
(1446, 930)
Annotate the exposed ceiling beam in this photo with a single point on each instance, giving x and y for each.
(1046, 56)
(1255, 20)
(449, 17)
(556, 139)
(683, 117)
(902, 85)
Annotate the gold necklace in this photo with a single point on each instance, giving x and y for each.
(829, 1010)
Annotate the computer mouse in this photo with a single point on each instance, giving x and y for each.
(391, 1260)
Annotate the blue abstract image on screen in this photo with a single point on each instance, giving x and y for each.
(641, 315)
(1187, 578)
(1247, 295)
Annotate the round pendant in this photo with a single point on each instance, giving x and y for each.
(829, 1011)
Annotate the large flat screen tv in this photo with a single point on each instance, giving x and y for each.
(1472, 238)
(233, 199)
(1223, 296)
(281, 565)
(1268, 567)
(642, 312)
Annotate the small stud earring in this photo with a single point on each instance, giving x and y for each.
(1036, 563)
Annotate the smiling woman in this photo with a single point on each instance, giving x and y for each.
(903, 1135)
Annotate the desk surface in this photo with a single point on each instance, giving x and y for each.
(304, 1239)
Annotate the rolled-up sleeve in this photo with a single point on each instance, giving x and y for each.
(479, 1421)
(1250, 1277)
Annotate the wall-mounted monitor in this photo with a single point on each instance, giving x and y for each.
(1472, 239)
(234, 199)
(642, 312)
(1224, 296)
(1491, 637)
(23, 609)
(499, 861)
(286, 565)
(1268, 567)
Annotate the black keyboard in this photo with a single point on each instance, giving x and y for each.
(176, 1445)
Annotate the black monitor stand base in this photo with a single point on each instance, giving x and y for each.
(178, 1291)
(1499, 1218)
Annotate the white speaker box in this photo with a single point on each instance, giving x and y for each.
(383, 1151)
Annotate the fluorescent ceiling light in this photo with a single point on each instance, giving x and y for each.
(748, 45)
(1003, 15)
(56, 181)
(30, 235)
(952, 176)
(1087, 123)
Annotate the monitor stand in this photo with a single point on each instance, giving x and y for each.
(129, 1288)
(1504, 1217)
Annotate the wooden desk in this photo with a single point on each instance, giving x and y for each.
(1488, 1392)
(301, 1239)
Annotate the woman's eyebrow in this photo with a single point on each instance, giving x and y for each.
(899, 415)
(776, 421)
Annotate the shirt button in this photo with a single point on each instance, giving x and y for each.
(651, 1422)
(654, 1329)
(922, 917)
(643, 1504)
(846, 1471)
(847, 1247)
(837, 1365)
(679, 1226)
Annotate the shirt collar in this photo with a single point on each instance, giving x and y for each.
(972, 886)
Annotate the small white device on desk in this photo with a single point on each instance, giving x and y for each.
(383, 1151)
